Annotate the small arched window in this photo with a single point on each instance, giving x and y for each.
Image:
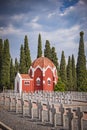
(38, 81)
(49, 81)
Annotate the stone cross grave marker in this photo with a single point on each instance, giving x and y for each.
(68, 119)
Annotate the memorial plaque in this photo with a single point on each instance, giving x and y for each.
(84, 124)
(66, 122)
(26, 111)
(7, 102)
(34, 113)
(2, 100)
(44, 116)
(13, 103)
(58, 119)
(19, 106)
(75, 124)
(26, 108)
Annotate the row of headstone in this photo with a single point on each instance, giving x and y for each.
(46, 112)
(79, 96)
(61, 97)
(52, 97)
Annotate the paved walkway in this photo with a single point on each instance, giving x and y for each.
(17, 122)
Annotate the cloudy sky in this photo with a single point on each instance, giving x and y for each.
(58, 21)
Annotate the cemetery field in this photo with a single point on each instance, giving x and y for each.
(18, 122)
(44, 110)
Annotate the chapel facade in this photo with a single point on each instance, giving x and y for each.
(42, 75)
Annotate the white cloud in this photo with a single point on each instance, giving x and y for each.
(10, 30)
(35, 19)
(18, 17)
(63, 39)
(51, 14)
(33, 24)
(61, 36)
(82, 2)
(67, 11)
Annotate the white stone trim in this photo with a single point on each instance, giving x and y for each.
(38, 67)
(20, 86)
(48, 79)
(43, 81)
(31, 68)
(19, 80)
(48, 67)
(44, 69)
(27, 79)
(38, 79)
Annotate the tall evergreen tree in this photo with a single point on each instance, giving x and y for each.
(74, 83)
(5, 81)
(69, 74)
(47, 50)
(54, 58)
(22, 60)
(16, 66)
(27, 54)
(63, 69)
(39, 52)
(60, 86)
(1, 58)
(81, 66)
(12, 74)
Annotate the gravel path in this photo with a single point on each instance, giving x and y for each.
(17, 122)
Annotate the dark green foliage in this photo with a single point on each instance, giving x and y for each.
(86, 81)
(47, 50)
(67, 77)
(22, 60)
(54, 58)
(16, 66)
(51, 54)
(81, 66)
(39, 52)
(69, 74)
(1, 58)
(74, 83)
(27, 55)
(60, 86)
(5, 80)
(63, 69)
(12, 75)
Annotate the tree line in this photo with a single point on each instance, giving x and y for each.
(71, 76)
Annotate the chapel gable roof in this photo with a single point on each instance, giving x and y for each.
(25, 76)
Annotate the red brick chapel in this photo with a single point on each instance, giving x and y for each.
(42, 75)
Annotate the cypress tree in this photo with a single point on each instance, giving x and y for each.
(22, 60)
(47, 50)
(81, 66)
(1, 58)
(6, 66)
(60, 86)
(54, 58)
(16, 66)
(73, 73)
(39, 52)
(27, 54)
(12, 74)
(63, 69)
(69, 74)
